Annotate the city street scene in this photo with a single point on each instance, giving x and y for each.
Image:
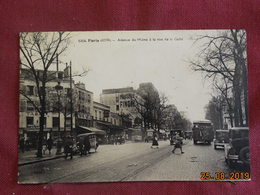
(114, 106)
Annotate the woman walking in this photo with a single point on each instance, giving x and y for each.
(155, 142)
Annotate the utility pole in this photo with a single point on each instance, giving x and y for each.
(71, 103)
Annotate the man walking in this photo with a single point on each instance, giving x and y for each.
(49, 144)
(178, 143)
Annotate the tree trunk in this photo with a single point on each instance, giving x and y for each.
(40, 135)
(245, 90)
(240, 62)
(237, 94)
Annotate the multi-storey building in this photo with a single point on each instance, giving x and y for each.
(121, 101)
(29, 118)
(83, 105)
(110, 122)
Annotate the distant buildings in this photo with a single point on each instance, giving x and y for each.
(122, 102)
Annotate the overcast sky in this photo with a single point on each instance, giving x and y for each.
(117, 64)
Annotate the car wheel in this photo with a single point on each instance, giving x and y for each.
(215, 147)
(244, 155)
(195, 142)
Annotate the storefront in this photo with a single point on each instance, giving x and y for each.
(133, 134)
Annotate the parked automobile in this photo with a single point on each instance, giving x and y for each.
(237, 150)
(221, 138)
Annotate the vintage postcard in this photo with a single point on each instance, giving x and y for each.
(114, 106)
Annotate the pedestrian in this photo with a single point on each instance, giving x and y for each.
(97, 144)
(49, 144)
(80, 147)
(178, 143)
(86, 145)
(44, 147)
(21, 143)
(155, 142)
(68, 147)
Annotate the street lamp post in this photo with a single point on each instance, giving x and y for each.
(58, 89)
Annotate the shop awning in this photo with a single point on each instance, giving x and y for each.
(104, 123)
(93, 130)
(35, 130)
(133, 129)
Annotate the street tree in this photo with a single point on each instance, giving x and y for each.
(214, 112)
(38, 53)
(223, 57)
(160, 111)
(223, 92)
(148, 104)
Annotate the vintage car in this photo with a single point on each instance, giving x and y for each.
(202, 132)
(88, 141)
(237, 150)
(221, 138)
(188, 134)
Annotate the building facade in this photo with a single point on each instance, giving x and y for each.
(83, 106)
(122, 102)
(56, 101)
(107, 121)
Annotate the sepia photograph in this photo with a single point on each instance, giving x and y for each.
(117, 106)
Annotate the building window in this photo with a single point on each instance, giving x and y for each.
(114, 121)
(55, 121)
(68, 92)
(68, 122)
(29, 121)
(117, 107)
(44, 122)
(95, 114)
(30, 107)
(60, 75)
(30, 90)
(100, 117)
(89, 98)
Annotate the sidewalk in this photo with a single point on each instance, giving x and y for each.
(29, 157)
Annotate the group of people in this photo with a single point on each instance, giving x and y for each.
(24, 144)
(115, 139)
(47, 145)
(178, 141)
